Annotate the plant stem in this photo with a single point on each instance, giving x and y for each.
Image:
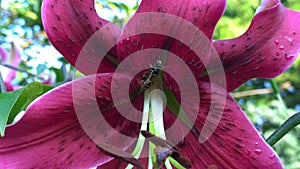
(278, 95)
(2, 85)
(288, 125)
(21, 70)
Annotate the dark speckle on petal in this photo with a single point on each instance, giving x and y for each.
(58, 17)
(60, 150)
(70, 155)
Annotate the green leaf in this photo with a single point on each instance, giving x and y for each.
(59, 74)
(63, 60)
(47, 88)
(14, 102)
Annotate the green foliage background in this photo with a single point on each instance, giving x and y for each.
(21, 19)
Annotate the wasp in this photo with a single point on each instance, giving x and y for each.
(147, 79)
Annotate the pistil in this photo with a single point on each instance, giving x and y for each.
(141, 140)
(155, 101)
(156, 125)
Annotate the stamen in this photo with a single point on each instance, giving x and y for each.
(165, 149)
(162, 153)
(119, 154)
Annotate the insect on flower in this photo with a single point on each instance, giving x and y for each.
(147, 79)
(66, 144)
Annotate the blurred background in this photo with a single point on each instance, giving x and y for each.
(268, 103)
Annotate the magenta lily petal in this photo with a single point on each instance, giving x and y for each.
(48, 81)
(234, 144)
(3, 55)
(203, 13)
(74, 22)
(177, 27)
(9, 87)
(50, 135)
(116, 163)
(267, 49)
(14, 61)
(227, 138)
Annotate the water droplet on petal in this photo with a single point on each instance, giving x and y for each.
(289, 57)
(127, 39)
(258, 151)
(276, 42)
(248, 152)
(288, 38)
(275, 164)
(294, 32)
(212, 167)
(281, 47)
(277, 54)
(256, 68)
(272, 156)
(256, 143)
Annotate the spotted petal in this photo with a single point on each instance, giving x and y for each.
(202, 13)
(235, 143)
(64, 128)
(268, 48)
(178, 27)
(70, 24)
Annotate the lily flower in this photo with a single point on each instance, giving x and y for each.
(89, 122)
(13, 60)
